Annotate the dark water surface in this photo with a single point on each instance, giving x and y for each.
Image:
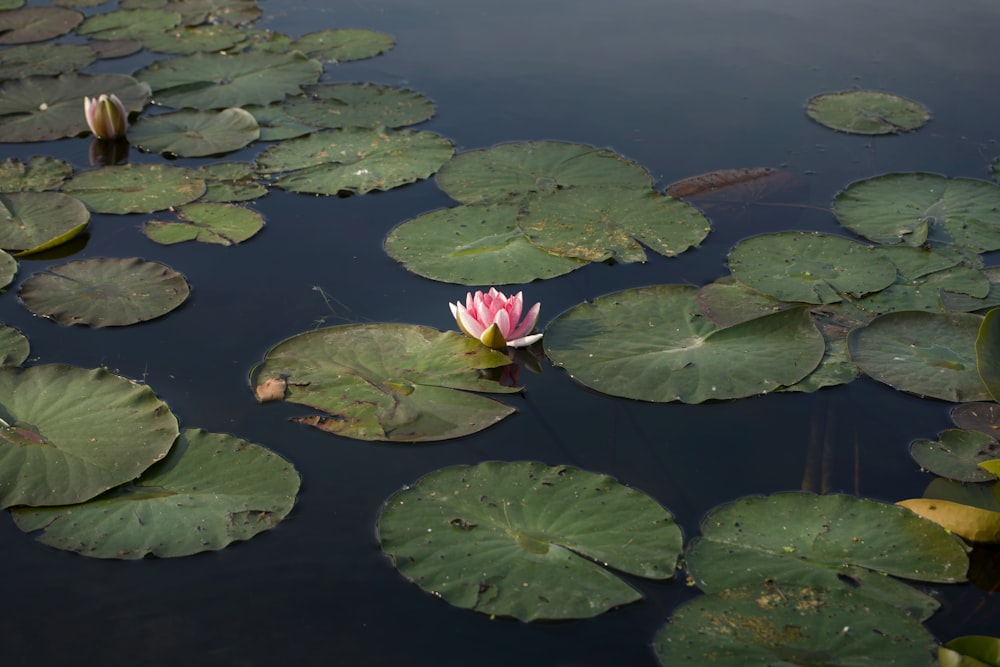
(682, 87)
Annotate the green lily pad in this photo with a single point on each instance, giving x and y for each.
(517, 169)
(211, 490)
(135, 188)
(965, 304)
(36, 24)
(222, 224)
(14, 347)
(343, 45)
(8, 267)
(185, 39)
(988, 352)
(192, 133)
(805, 625)
(980, 649)
(222, 80)
(831, 541)
(42, 108)
(927, 293)
(276, 124)
(358, 105)
(37, 174)
(44, 60)
(527, 540)
(197, 12)
(810, 267)
(355, 160)
(728, 302)
(128, 24)
(35, 221)
(391, 382)
(654, 344)
(917, 208)
(928, 354)
(72, 433)
(601, 223)
(867, 112)
(104, 292)
(473, 244)
(231, 182)
(956, 454)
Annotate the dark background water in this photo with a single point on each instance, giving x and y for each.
(682, 87)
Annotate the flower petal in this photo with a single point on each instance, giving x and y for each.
(528, 323)
(525, 341)
(467, 323)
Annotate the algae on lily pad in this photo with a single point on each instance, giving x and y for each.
(104, 292)
(655, 344)
(42, 108)
(344, 44)
(135, 188)
(916, 208)
(70, 433)
(193, 133)
(956, 454)
(810, 267)
(14, 347)
(222, 224)
(867, 112)
(369, 105)
(223, 80)
(212, 489)
(473, 244)
(598, 223)
(390, 382)
(355, 160)
(767, 624)
(527, 540)
(929, 354)
(35, 221)
(516, 169)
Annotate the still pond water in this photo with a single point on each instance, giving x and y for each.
(680, 86)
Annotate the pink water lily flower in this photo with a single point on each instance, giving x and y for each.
(495, 319)
(106, 116)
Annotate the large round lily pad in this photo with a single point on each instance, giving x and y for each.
(105, 292)
(69, 433)
(36, 24)
(192, 133)
(128, 23)
(956, 454)
(135, 188)
(394, 382)
(220, 81)
(916, 208)
(358, 105)
(355, 160)
(42, 108)
(210, 490)
(35, 221)
(527, 540)
(810, 267)
(520, 168)
(930, 354)
(654, 344)
(344, 44)
(473, 244)
(600, 223)
(801, 625)
(867, 112)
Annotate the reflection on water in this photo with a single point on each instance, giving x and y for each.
(681, 87)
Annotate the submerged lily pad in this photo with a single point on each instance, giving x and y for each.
(956, 454)
(929, 354)
(42, 108)
(654, 344)
(983, 417)
(35, 221)
(14, 347)
(211, 490)
(802, 625)
(355, 160)
(867, 112)
(358, 105)
(135, 188)
(810, 267)
(104, 292)
(601, 223)
(527, 540)
(473, 244)
(343, 45)
(917, 208)
(393, 382)
(221, 80)
(517, 169)
(222, 224)
(192, 133)
(70, 433)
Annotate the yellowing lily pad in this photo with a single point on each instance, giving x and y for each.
(527, 540)
(35, 221)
